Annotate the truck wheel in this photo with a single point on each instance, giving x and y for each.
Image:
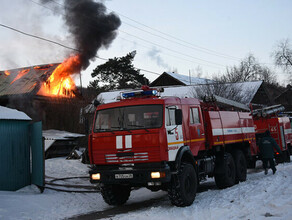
(240, 166)
(225, 172)
(183, 187)
(115, 194)
(251, 164)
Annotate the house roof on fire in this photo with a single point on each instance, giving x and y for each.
(25, 80)
(28, 80)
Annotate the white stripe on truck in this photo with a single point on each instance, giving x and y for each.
(228, 131)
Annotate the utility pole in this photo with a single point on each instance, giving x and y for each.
(190, 77)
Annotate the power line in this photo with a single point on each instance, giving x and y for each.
(173, 50)
(180, 58)
(150, 42)
(196, 47)
(67, 47)
(212, 52)
(62, 45)
(40, 38)
(140, 39)
(173, 37)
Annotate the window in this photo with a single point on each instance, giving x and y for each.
(194, 116)
(129, 118)
(170, 116)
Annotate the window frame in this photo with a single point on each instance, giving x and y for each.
(123, 126)
(192, 119)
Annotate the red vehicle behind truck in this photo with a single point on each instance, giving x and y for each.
(167, 143)
(279, 127)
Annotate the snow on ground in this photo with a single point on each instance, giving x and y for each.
(29, 203)
(259, 197)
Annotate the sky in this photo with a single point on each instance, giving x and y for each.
(194, 37)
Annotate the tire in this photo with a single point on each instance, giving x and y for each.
(115, 194)
(183, 187)
(251, 164)
(240, 166)
(225, 172)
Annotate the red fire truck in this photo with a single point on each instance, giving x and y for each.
(167, 143)
(279, 127)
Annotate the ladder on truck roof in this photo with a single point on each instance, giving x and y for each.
(268, 111)
(223, 102)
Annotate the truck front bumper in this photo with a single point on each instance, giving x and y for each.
(138, 174)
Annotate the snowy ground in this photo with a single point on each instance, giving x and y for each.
(258, 198)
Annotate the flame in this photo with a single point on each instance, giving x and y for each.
(60, 83)
(43, 67)
(32, 87)
(7, 73)
(21, 73)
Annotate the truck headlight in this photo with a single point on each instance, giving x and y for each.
(95, 176)
(157, 175)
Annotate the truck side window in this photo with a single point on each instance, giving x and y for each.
(170, 116)
(194, 116)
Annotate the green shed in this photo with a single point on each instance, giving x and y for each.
(17, 137)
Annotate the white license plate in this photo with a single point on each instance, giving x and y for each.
(124, 176)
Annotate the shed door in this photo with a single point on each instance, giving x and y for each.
(37, 152)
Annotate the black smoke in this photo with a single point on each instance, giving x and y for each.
(90, 25)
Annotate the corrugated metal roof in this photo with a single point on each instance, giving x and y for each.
(13, 114)
(247, 89)
(53, 135)
(24, 80)
(60, 135)
(187, 80)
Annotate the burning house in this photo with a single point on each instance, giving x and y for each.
(46, 93)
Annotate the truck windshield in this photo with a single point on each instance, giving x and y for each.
(129, 118)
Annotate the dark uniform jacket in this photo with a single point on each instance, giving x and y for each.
(267, 145)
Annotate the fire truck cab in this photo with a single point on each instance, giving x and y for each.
(168, 143)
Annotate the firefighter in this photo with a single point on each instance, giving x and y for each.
(267, 145)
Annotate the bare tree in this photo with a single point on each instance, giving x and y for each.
(246, 71)
(283, 56)
(232, 91)
(265, 74)
(230, 84)
(249, 69)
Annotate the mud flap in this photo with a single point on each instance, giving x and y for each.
(219, 166)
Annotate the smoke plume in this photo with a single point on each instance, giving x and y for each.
(154, 55)
(91, 27)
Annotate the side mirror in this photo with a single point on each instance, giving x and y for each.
(178, 116)
(96, 103)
